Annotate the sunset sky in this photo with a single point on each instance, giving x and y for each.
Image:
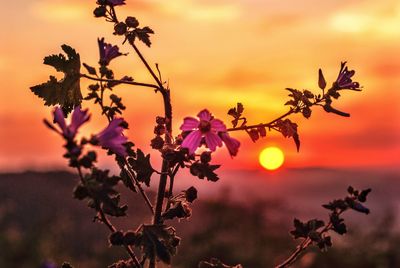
(215, 54)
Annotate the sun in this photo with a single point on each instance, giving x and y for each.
(271, 158)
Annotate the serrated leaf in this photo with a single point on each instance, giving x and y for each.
(91, 70)
(142, 166)
(65, 92)
(144, 35)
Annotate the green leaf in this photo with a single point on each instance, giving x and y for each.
(65, 92)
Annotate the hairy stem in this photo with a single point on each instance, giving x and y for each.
(291, 111)
(120, 81)
(303, 246)
(128, 168)
(103, 218)
(270, 124)
(141, 190)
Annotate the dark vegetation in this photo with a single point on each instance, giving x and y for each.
(40, 222)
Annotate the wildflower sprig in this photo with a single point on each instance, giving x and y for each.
(315, 231)
(191, 148)
(302, 102)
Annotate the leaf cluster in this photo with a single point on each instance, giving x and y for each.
(158, 241)
(316, 230)
(288, 130)
(98, 188)
(179, 205)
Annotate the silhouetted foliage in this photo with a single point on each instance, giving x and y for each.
(157, 241)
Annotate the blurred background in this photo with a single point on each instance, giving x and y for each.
(213, 54)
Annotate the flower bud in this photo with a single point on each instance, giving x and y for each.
(80, 192)
(120, 28)
(132, 22)
(100, 11)
(116, 238)
(159, 130)
(191, 194)
(205, 157)
(157, 143)
(130, 238)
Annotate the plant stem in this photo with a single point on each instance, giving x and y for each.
(128, 169)
(110, 226)
(300, 248)
(120, 81)
(145, 197)
(165, 164)
(291, 111)
(159, 83)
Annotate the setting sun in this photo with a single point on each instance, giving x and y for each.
(271, 158)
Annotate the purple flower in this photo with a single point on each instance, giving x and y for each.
(344, 79)
(107, 52)
(116, 2)
(212, 130)
(112, 138)
(231, 143)
(79, 117)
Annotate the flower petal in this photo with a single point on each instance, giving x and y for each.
(231, 144)
(212, 141)
(192, 141)
(204, 115)
(218, 125)
(79, 117)
(189, 123)
(112, 138)
(59, 119)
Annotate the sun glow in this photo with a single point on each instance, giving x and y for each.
(271, 158)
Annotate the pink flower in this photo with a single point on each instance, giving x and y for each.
(79, 117)
(212, 130)
(231, 144)
(112, 138)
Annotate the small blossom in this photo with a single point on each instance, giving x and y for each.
(112, 138)
(79, 117)
(107, 52)
(116, 2)
(231, 143)
(344, 80)
(212, 130)
(207, 127)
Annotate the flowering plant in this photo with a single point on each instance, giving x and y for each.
(155, 241)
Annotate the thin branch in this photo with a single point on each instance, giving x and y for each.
(291, 111)
(147, 66)
(141, 190)
(130, 172)
(120, 81)
(269, 124)
(304, 245)
(110, 226)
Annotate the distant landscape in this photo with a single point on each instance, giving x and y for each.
(40, 221)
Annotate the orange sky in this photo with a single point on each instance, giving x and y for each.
(214, 54)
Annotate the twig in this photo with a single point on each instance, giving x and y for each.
(120, 81)
(110, 226)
